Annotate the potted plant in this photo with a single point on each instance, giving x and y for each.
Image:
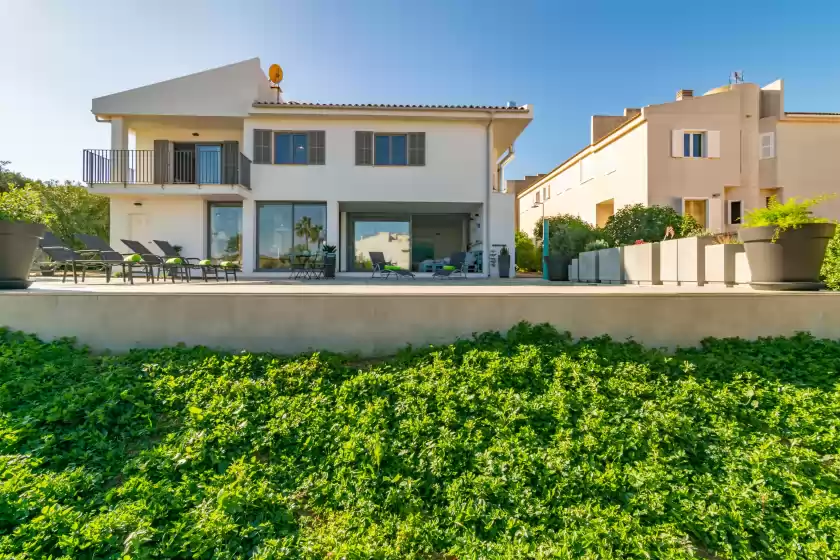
(785, 244)
(504, 262)
(567, 237)
(329, 261)
(21, 227)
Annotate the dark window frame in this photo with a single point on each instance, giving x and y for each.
(292, 134)
(208, 234)
(390, 136)
(292, 204)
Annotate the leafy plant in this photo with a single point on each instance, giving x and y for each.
(567, 234)
(648, 223)
(24, 205)
(504, 250)
(596, 245)
(831, 265)
(528, 445)
(526, 253)
(329, 248)
(788, 215)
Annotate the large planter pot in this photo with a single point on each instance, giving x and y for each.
(588, 263)
(742, 269)
(641, 264)
(610, 270)
(329, 265)
(558, 267)
(18, 243)
(720, 263)
(683, 261)
(793, 262)
(504, 266)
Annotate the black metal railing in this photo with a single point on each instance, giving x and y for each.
(118, 166)
(203, 165)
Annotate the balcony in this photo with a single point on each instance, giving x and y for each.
(169, 167)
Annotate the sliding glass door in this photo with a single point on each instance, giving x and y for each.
(224, 238)
(285, 230)
(386, 234)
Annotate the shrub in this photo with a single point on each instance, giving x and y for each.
(596, 245)
(831, 264)
(567, 234)
(530, 445)
(23, 205)
(526, 253)
(647, 223)
(788, 215)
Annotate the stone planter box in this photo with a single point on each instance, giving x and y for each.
(720, 263)
(682, 261)
(610, 270)
(641, 264)
(743, 275)
(588, 266)
(574, 271)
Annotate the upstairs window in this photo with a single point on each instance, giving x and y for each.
(390, 149)
(693, 144)
(735, 212)
(298, 148)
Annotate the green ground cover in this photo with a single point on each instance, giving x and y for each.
(523, 446)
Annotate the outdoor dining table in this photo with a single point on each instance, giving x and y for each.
(303, 266)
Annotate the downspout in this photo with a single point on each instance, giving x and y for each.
(485, 235)
(506, 159)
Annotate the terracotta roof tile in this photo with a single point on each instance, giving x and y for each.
(814, 114)
(385, 106)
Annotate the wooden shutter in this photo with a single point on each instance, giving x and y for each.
(767, 147)
(364, 148)
(262, 146)
(677, 146)
(416, 148)
(713, 144)
(161, 167)
(230, 162)
(317, 147)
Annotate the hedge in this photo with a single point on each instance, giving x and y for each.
(528, 445)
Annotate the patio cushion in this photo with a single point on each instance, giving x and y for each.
(205, 262)
(133, 258)
(391, 267)
(228, 264)
(448, 267)
(175, 260)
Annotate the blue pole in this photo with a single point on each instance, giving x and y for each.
(545, 248)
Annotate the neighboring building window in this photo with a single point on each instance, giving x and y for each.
(547, 192)
(768, 145)
(586, 169)
(693, 145)
(767, 200)
(286, 232)
(537, 197)
(735, 211)
(696, 207)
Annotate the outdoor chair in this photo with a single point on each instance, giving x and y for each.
(70, 259)
(193, 263)
(164, 265)
(385, 268)
(317, 268)
(108, 256)
(457, 265)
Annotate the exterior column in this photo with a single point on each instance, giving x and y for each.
(119, 154)
(333, 229)
(485, 239)
(249, 241)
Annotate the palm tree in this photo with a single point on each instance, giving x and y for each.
(303, 228)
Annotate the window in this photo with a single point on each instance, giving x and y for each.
(547, 192)
(696, 207)
(224, 239)
(768, 200)
(390, 149)
(285, 230)
(735, 211)
(768, 148)
(586, 169)
(294, 148)
(537, 197)
(693, 144)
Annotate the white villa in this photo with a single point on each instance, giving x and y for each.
(221, 164)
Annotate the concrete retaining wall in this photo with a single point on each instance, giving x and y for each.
(380, 323)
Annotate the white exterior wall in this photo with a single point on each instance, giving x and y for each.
(502, 227)
(619, 172)
(181, 220)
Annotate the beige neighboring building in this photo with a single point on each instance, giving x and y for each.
(713, 156)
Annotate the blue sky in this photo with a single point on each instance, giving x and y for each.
(569, 59)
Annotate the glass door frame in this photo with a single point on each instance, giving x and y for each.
(353, 217)
(208, 247)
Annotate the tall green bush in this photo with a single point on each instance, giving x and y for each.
(526, 252)
(567, 234)
(831, 264)
(648, 223)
